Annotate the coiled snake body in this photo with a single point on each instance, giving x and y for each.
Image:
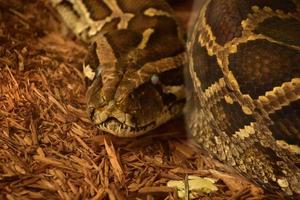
(242, 79)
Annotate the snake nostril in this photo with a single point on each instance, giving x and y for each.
(91, 111)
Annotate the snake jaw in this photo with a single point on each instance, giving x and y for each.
(123, 124)
(121, 129)
(116, 122)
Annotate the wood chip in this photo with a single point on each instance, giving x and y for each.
(113, 158)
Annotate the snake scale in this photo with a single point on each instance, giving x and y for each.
(242, 80)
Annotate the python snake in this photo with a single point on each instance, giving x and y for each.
(242, 79)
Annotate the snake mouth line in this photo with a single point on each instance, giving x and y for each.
(114, 126)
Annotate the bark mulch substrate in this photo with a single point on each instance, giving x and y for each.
(49, 147)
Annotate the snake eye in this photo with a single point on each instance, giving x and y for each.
(155, 79)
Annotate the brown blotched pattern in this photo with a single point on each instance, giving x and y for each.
(262, 60)
(248, 116)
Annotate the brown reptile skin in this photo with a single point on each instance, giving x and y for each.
(243, 85)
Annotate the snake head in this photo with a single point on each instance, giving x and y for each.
(128, 97)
